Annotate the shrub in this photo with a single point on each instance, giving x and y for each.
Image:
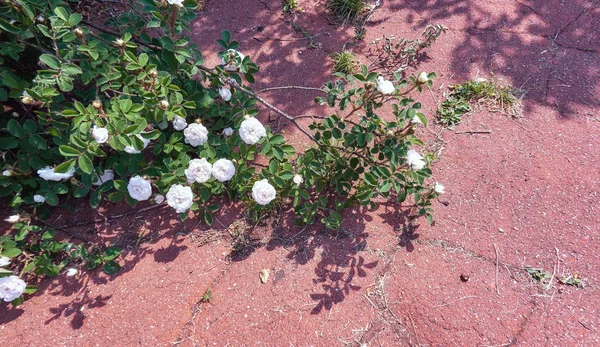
(129, 113)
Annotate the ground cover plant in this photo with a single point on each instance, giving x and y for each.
(129, 113)
(488, 93)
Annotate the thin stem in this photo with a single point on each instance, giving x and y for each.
(290, 87)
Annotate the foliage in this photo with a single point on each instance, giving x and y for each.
(360, 155)
(457, 103)
(344, 62)
(86, 101)
(346, 11)
(291, 6)
(396, 54)
(35, 251)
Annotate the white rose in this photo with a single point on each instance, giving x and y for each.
(7, 173)
(195, 134)
(414, 160)
(39, 198)
(100, 135)
(233, 66)
(384, 86)
(176, 2)
(139, 188)
(422, 78)
(11, 287)
(72, 272)
(223, 170)
(180, 198)
(132, 150)
(4, 261)
(13, 219)
(263, 192)
(298, 179)
(251, 130)
(158, 199)
(199, 170)
(228, 132)
(225, 93)
(108, 175)
(48, 174)
(179, 123)
(438, 188)
(416, 120)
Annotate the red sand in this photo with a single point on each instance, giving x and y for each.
(523, 194)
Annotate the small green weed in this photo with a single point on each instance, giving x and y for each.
(538, 274)
(572, 280)
(345, 62)
(291, 6)
(206, 297)
(346, 11)
(495, 97)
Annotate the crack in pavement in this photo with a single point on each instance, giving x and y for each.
(189, 328)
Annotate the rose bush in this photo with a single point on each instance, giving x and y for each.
(115, 113)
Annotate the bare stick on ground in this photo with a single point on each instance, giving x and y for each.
(497, 262)
(459, 299)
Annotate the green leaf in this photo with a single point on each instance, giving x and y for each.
(81, 192)
(62, 13)
(111, 253)
(30, 127)
(65, 83)
(22, 234)
(111, 267)
(11, 253)
(50, 60)
(143, 59)
(74, 19)
(95, 199)
(15, 128)
(68, 151)
(94, 261)
(8, 143)
(51, 198)
(49, 235)
(71, 69)
(65, 167)
(85, 163)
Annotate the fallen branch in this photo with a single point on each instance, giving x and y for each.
(290, 87)
(497, 261)
(474, 132)
(553, 271)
